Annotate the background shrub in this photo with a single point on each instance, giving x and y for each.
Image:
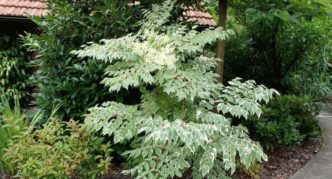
(58, 150)
(288, 54)
(286, 46)
(14, 70)
(64, 80)
(306, 50)
(286, 120)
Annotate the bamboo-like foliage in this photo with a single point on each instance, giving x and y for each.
(12, 124)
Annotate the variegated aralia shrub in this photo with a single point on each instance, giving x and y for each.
(183, 120)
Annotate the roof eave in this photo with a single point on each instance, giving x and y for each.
(14, 18)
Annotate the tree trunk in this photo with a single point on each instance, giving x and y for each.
(221, 43)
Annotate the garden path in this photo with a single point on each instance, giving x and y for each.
(320, 167)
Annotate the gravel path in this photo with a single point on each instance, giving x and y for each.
(320, 167)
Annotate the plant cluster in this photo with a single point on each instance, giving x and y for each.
(285, 45)
(310, 74)
(284, 48)
(64, 80)
(153, 78)
(12, 124)
(286, 120)
(14, 70)
(172, 127)
(58, 150)
(68, 25)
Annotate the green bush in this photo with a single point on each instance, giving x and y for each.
(12, 124)
(287, 120)
(308, 46)
(64, 80)
(282, 46)
(58, 150)
(14, 70)
(55, 151)
(172, 128)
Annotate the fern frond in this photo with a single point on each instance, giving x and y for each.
(159, 15)
(193, 42)
(187, 84)
(242, 99)
(109, 50)
(159, 162)
(123, 75)
(115, 119)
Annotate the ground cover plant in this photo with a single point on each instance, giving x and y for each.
(172, 127)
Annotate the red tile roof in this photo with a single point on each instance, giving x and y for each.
(200, 17)
(23, 8)
(192, 14)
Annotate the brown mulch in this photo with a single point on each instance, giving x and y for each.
(115, 173)
(285, 161)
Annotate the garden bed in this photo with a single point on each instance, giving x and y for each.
(150, 84)
(285, 161)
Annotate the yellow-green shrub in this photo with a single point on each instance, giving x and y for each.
(12, 124)
(59, 150)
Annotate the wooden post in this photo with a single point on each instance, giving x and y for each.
(221, 44)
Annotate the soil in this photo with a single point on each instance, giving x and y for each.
(285, 161)
(115, 173)
(329, 100)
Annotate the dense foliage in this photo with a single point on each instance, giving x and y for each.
(58, 150)
(283, 46)
(63, 79)
(310, 76)
(172, 129)
(12, 124)
(152, 75)
(14, 70)
(285, 120)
